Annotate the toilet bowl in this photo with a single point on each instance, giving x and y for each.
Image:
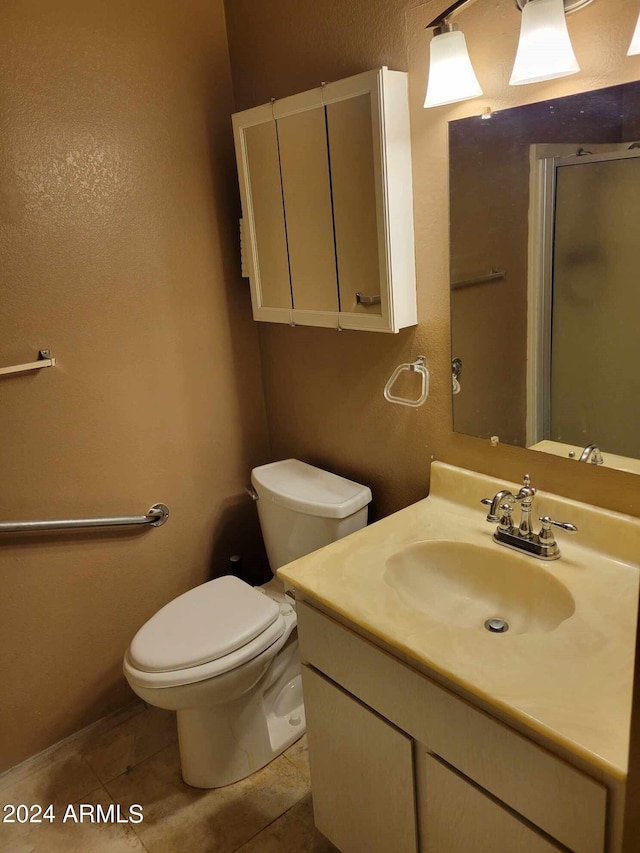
(227, 728)
(224, 655)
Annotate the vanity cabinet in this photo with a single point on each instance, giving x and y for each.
(325, 184)
(474, 782)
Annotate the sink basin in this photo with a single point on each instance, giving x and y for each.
(465, 585)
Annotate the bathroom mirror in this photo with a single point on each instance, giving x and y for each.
(544, 206)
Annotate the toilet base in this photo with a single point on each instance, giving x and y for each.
(222, 744)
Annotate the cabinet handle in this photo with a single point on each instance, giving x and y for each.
(361, 299)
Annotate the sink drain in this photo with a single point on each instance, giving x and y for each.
(496, 625)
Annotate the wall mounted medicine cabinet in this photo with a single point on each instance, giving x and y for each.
(325, 183)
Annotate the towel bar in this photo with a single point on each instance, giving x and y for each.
(156, 517)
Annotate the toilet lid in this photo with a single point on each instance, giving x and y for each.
(312, 491)
(205, 624)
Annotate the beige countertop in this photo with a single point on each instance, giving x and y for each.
(573, 684)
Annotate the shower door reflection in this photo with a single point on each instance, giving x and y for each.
(594, 336)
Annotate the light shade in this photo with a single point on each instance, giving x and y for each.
(544, 50)
(634, 47)
(451, 75)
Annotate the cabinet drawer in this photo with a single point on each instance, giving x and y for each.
(552, 794)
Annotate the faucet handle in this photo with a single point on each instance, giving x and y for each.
(548, 522)
(505, 522)
(546, 534)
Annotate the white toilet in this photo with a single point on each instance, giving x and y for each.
(225, 655)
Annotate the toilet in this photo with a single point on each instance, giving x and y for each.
(224, 655)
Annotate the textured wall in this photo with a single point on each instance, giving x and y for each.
(324, 388)
(118, 247)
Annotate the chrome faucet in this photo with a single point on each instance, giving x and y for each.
(593, 451)
(522, 538)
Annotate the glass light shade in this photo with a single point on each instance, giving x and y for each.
(544, 50)
(451, 75)
(634, 47)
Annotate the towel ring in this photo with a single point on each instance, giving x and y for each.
(417, 366)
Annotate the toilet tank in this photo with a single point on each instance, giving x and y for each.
(302, 508)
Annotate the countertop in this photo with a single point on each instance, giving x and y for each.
(573, 684)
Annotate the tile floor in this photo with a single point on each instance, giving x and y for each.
(132, 758)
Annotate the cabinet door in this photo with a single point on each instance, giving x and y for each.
(355, 207)
(361, 773)
(265, 234)
(306, 190)
(457, 817)
(370, 154)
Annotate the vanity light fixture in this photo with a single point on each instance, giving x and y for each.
(544, 50)
(451, 75)
(634, 47)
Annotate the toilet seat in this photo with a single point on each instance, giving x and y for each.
(193, 674)
(205, 632)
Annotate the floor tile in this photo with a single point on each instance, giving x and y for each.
(110, 753)
(135, 757)
(191, 820)
(70, 746)
(63, 778)
(294, 832)
(73, 835)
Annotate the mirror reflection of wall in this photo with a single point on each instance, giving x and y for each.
(493, 263)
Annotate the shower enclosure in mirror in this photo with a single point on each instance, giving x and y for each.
(545, 260)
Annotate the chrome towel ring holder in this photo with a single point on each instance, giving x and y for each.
(418, 366)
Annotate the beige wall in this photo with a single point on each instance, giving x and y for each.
(324, 388)
(118, 247)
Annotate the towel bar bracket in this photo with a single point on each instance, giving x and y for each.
(161, 512)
